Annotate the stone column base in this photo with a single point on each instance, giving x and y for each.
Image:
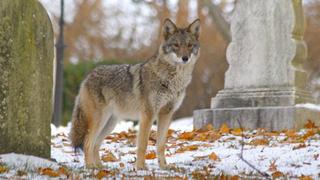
(271, 118)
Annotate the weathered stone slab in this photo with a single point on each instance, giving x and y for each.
(271, 118)
(265, 79)
(26, 58)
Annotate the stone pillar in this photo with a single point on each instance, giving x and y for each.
(265, 79)
(26, 64)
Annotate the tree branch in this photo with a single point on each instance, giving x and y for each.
(223, 27)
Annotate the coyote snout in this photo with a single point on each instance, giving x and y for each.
(149, 91)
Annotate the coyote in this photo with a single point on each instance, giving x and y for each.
(152, 90)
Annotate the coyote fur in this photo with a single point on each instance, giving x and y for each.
(148, 91)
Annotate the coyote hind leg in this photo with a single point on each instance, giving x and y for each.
(107, 128)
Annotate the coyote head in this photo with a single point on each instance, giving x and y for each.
(181, 45)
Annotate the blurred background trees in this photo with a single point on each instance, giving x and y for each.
(129, 31)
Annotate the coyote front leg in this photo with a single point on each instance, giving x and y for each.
(164, 120)
(143, 137)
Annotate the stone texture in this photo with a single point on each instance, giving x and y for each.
(265, 72)
(271, 118)
(26, 57)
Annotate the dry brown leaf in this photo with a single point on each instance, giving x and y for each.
(48, 171)
(272, 133)
(310, 124)
(209, 127)
(187, 135)
(213, 156)
(187, 148)
(109, 157)
(291, 133)
(273, 166)
(170, 132)
(257, 142)
(277, 174)
(63, 171)
(151, 155)
(305, 178)
(308, 134)
(299, 146)
(121, 165)
(236, 177)
(237, 132)
(316, 156)
(102, 173)
(3, 169)
(224, 129)
(201, 137)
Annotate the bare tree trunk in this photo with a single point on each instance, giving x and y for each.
(223, 27)
(182, 13)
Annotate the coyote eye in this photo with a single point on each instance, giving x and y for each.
(175, 45)
(190, 45)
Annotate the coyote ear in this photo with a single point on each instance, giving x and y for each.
(194, 28)
(169, 28)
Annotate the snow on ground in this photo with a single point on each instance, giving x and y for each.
(192, 154)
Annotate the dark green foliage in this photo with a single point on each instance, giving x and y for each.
(73, 76)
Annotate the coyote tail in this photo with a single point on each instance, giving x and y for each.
(79, 127)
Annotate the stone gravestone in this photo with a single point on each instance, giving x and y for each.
(26, 58)
(265, 80)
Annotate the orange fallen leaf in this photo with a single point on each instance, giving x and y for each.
(3, 169)
(305, 178)
(48, 172)
(209, 127)
(237, 132)
(63, 171)
(310, 124)
(291, 133)
(308, 134)
(236, 177)
(170, 132)
(224, 129)
(187, 148)
(213, 156)
(102, 173)
(277, 174)
(187, 135)
(151, 155)
(109, 157)
(258, 142)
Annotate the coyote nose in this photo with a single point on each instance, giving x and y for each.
(185, 58)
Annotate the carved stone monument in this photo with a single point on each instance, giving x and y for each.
(265, 80)
(26, 57)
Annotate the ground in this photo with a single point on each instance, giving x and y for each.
(194, 154)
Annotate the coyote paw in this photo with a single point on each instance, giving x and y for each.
(166, 166)
(94, 166)
(141, 167)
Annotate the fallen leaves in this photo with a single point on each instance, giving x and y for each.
(109, 157)
(102, 173)
(151, 155)
(259, 142)
(48, 172)
(187, 148)
(213, 156)
(277, 174)
(187, 135)
(224, 129)
(3, 169)
(310, 125)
